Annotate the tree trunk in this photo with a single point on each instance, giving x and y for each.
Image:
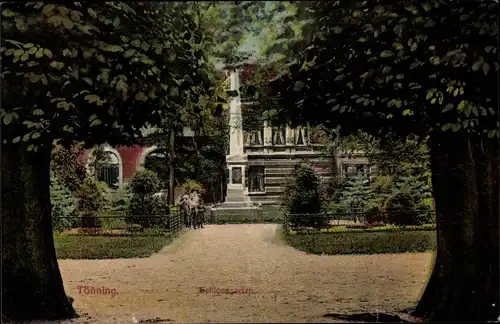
(32, 284)
(171, 174)
(464, 285)
(222, 179)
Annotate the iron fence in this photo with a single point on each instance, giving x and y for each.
(255, 214)
(121, 224)
(357, 219)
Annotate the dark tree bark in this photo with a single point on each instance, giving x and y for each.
(464, 285)
(32, 284)
(171, 172)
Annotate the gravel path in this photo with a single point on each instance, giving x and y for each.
(277, 283)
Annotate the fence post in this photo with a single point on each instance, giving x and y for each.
(260, 212)
(213, 215)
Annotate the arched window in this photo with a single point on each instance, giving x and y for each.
(109, 170)
(157, 162)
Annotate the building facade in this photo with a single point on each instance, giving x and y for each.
(259, 162)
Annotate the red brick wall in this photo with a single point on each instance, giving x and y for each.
(130, 157)
(83, 156)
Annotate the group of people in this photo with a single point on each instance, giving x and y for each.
(192, 208)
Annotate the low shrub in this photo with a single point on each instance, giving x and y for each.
(426, 213)
(145, 209)
(145, 182)
(149, 211)
(92, 198)
(334, 229)
(362, 228)
(336, 208)
(302, 201)
(369, 242)
(108, 247)
(373, 214)
(400, 210)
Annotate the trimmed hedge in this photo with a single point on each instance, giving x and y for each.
(108, 246)
(340, 240)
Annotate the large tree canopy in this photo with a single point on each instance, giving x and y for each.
(424, 68)
(86, 72)
(408, 68)
(100, 71)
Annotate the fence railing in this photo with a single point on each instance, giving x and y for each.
(327, 220)
(120, 223)
(255, 214)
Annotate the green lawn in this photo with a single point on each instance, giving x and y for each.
(363, 241)
(108, 246)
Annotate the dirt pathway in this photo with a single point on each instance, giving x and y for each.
(285, 285)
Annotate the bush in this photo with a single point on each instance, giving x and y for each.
(355, 195)
(192, 185)
(121, 200)
(63, 206)
(373, 215)
(336, 208)
(364, 242)
(144, 182)
(302, 200)
(108, 247)
(145, 209)
(148, 212)
(400, 210)
(66, 169)
(426, 213)
(92, 197)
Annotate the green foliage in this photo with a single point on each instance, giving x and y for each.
(403, 70)
(120, 201)
(148, 211)
(356, 194)
(400, 209)
(63, 207)
(363, 228)
(111, 63)
(427, 204)
(144, 183)
(66, 168)
(108, 247)
(365, 241)
(200, 159)
(145, 208)
(382, 187)
(241, 29)
(336, 208)
(373, 215)
(302, 200)
(192, 185)
(92, 198)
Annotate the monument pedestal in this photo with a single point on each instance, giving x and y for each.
(236, 190)
(237, 160)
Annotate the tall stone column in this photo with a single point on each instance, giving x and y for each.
(236, 160)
